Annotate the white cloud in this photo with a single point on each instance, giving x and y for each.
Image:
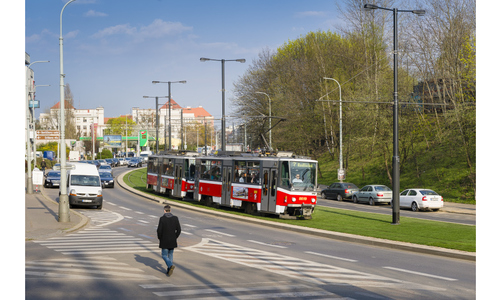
(93, 13)
(113, 30)
(71, 34)
(158, 28)
(161, 28)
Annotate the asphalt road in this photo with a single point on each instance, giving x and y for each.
(116, 257)
(443, 216)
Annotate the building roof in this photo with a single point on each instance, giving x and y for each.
(173, 103)
(197, 111)
(67, 105)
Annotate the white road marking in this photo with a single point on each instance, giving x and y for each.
(332, 257)
(218, 232)
(265, 244)
(421, 274)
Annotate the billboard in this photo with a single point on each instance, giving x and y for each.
(112, 141)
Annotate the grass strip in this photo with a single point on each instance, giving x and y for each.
(411, 230)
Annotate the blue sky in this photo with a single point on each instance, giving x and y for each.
(114, 49)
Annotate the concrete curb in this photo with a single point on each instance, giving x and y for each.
(421, 249)
(84, 221)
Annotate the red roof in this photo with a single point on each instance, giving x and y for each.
(173, 103)
(67, 105)
(197, 111)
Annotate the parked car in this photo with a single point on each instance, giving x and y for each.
(340, 191)
(135, 162)
(373, 194)
(52, 179)
(421, 199)
(107, 179)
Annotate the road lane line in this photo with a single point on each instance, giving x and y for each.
(421, 274)
(266, 244)
(330, 256)
(218, 232)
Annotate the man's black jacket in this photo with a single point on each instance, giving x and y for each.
(168, 231)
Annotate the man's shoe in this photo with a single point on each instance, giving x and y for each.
(171, 270)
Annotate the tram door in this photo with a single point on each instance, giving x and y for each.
(158, 170)
(268, 196)
(226, 182)
(196, 194)
(178, 178)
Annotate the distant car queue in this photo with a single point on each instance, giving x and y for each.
(52, 178)
(415, 198)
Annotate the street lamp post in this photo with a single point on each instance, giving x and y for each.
(169, 110)
(29, 186)
(341, 165)
(223, 119)
(63, 197)
(270, 142)
(156, 108)
(395, 137)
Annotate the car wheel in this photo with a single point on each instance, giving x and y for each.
(355, 199)
(414, 206)
(324, 196)
(372, 203)
(339, 197)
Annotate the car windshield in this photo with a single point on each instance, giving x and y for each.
(428, 192)
(104, 174)
(85, 180)
(54, 174)
(382, 188)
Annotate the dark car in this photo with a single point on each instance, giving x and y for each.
(340, 191)
(135, 162)
(107, 179)
(52, 179)
(110, 162)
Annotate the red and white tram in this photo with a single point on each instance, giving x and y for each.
(172, 174)
(283, 184)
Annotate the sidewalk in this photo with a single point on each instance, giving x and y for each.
(41, 218)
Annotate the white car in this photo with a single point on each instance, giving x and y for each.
(421, 199)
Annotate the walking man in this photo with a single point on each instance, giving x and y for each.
(168, 231)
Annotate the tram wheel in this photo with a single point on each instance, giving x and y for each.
(250, 208)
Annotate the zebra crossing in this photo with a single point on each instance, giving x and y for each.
(241, 291)
(95, 267)
(98, 240)
(292, 267)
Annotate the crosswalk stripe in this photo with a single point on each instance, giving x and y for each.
(95, 267)
(287, 266)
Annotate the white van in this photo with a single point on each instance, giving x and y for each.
(84, 186)
(145, 155)
(74, 156)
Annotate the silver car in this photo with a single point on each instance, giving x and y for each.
(373, 194)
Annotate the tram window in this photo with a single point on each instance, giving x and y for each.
(266, 183)
(285, 175)
(168, 167)
(273, 183)
(240, 168)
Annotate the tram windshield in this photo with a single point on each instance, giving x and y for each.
(298, 175)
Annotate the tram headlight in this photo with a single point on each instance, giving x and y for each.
(313, 200)
(294, 199)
